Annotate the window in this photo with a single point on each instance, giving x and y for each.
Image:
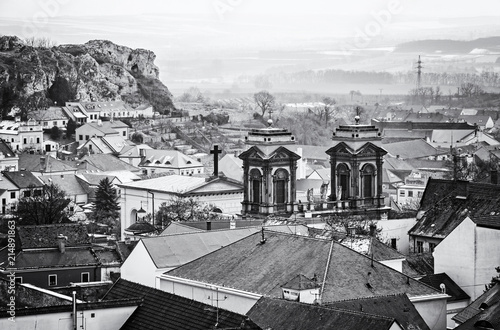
(394, 243)
(12, 194)
(86, 277)
(80, 137)
(420, 247)
(86, 137)
(27, 193)
(402, 193)
(124, 133)
(410, 193)
(64, 122)
(25, 141)
(54, 123)
(52, 280)
(432, 246)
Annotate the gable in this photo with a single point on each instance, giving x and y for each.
(217, 186)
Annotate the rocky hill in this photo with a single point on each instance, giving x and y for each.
(34, 77)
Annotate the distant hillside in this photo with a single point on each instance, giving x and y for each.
(450, 46)
(34, 77)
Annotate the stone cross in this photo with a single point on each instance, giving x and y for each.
(216, 153)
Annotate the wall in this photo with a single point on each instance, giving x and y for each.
(433, 311)
(452, 309)
(109, 318)
(487, 257)
(235, 300)
(458, 245)
(139, 267)
(398, 229)
(64, 276)
(396, 264)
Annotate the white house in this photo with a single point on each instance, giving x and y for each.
(153, 256)
(224, 193)
(470, 253)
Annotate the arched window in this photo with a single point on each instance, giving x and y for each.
(368, 181)
(255, 186)
(343, 181)
(281, 186)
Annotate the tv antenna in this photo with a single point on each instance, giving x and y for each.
(216, 300)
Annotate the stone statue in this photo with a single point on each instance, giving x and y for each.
(310, 195)
(323, 190)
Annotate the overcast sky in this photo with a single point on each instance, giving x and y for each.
(439, 8)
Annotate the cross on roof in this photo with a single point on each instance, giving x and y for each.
(216, 153)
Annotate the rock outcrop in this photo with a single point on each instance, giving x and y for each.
(97, 70)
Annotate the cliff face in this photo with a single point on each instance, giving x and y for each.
(97, 70)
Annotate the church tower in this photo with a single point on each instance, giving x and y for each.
(269, 172)
(356, 160)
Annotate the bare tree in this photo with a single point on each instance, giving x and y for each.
(264, 101)
(41, 42)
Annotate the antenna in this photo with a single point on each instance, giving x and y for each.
(217, 304)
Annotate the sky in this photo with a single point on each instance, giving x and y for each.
(441, 8)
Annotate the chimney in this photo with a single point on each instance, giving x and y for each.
(127, 240)
(61, 242)
(43, 164)
(494, 176)
(142, 152)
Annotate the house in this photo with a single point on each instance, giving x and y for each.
(162, 310)
(481, 121)
(51, 256)
(70, 185)
(410, 193)
(272, 313)
(260, 264)
(396, 306)
(223, 193)
(9, 160)
(468, 253)
(100, 129)
(43, 164)
(37, 308)
(51, 117)
(153, 256)
(132, 154)
(77, 113)
(458, 299)
(103, 164)
(483, 312)
(444, 205)
(27, 184)
(22, 135)
(169, 161)
(427, 117)
(106, 145)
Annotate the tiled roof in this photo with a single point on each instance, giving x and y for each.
(6, 150)
(397, 306)
(488, 316)
(179, 249)
(452, 289)
(52, 113)
(261, 268)
(168, 159)
(390, 125)
(23, 179)
(300, 282)
(487, 299)
(106, 162)
(124, 249)
(27, 297)
(45, 236)
(367, 246)
(271, 313)
(447, 203)
(133, 151)
(32, 163)
(418, 264)
(410, 149)
(104, 127)
(116, 143)
(169, 183)
(162, 310)
(67, 182)
(48, 258)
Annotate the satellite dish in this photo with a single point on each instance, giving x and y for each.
(442, 287)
